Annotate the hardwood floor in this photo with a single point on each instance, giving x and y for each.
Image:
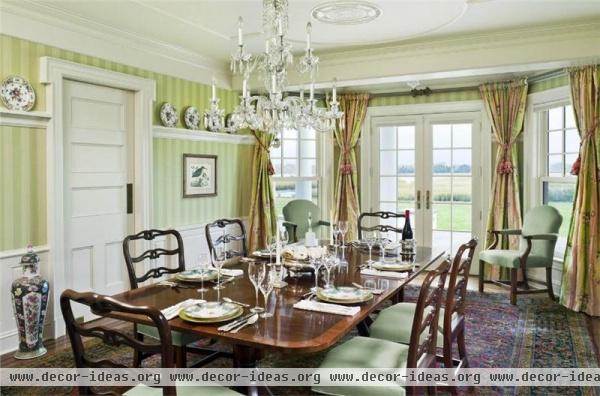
(62, 343)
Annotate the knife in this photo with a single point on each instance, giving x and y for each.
(236, 322)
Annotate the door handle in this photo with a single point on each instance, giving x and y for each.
(418, 199)
(427, 200)
(129, 198)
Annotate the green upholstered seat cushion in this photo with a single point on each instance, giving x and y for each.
(297, 211)
(511, 259)
(178, 339)
(395, 324)
(365, 352)
(192, 390)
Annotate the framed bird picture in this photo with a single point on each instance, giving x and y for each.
(199, 175)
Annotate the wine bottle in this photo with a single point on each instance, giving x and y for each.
(407, 233)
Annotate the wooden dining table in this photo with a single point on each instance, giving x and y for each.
(290, 329)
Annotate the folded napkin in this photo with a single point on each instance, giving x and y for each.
(387, 274)
(310, 305)
(173, 311)
(232, 272)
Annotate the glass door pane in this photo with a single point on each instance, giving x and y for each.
(451, 185)
(397, 173)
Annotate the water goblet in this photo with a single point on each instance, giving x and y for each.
(329, 261)
(256, 273)
(218, 259)
(370, 284)
(283, 240)
(266, 287)
(370, 239)
(203, 268)
(336, 233)
(343, 226)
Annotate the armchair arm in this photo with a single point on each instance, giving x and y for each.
(542, 237)
(291, 227)
(503, 233)
(324, 223)
(507, 232)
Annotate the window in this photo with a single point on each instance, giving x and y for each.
(296, 167)
(560, 140)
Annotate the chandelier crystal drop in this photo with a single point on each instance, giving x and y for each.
(274, 111)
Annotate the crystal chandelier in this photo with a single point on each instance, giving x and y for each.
(274, 111)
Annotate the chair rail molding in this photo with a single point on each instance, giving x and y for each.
(27, 119)
(53, 72)
(202, 136)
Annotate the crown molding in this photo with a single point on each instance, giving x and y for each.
(47, 25)
(517, 50)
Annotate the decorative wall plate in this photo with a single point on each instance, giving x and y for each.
(191, 117)
(168, 115)
(17, 94)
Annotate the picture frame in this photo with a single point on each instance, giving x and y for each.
(199, 175)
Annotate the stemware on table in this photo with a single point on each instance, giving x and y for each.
(266, 287)
(203, 266)
(218, 259)
(256, 273)
(329, 261)
(370, 239)
(343, 227)
(283, 240)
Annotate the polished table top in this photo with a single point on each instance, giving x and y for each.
(289, 328)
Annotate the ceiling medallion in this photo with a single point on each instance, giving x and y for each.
(346, 12)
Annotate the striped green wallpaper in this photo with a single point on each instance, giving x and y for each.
(22, 187)
(468, 94)
(544, 85)
(23, 173)
(233, 183)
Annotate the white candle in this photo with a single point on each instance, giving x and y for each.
(214, 89)
(312, 91)
(334, 89)
(308, 29)
(267, 46)
(244, 88)
(278, 244)
(240, 34)
(273, 83)
(302, 94)
(280, 27)
(331, 227)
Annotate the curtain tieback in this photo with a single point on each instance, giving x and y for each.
(505, 166)
(346, 166)
(270, 167)
(576, 168)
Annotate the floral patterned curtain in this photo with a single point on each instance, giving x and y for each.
(580, 290)
(505, 106)
(347, 206)
(263, 220)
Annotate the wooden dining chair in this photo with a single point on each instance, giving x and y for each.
(369, 352)
(394, 323)
(181, 340)
(224, 237)
(379, 227)
(113, 336)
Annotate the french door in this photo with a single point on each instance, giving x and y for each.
(430, 166)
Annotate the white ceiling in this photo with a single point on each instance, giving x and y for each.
(208, 27)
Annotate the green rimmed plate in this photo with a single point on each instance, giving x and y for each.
(396, 267)
(197, 275)
(344, 295)
(211, 312)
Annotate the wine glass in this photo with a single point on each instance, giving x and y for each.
(316, 262)
(218, 259)
(336, 233)
(266, 286)
(343, 226)
(203, 268)
(272, 246)
(329, 261)
(370, 239)
(256, 273)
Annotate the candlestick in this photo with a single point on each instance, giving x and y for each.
(244, 88)
(214, 88)
(308, 30)
(280, 27)
(278, 244)
(334, 89)
(302, 94)
(331, 227)
(240, 34)
(273, 83)
(312, 91)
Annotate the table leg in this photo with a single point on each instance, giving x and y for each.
(247, 357)
(399, 296)
(363, 327)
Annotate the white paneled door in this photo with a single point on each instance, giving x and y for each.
(430, 166)
(98, 129)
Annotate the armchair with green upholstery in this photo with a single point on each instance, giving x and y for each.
(295, 214)
(536, 250)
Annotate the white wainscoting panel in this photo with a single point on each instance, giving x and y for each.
(9, 338)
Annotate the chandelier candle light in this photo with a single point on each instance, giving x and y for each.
(274, 112)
